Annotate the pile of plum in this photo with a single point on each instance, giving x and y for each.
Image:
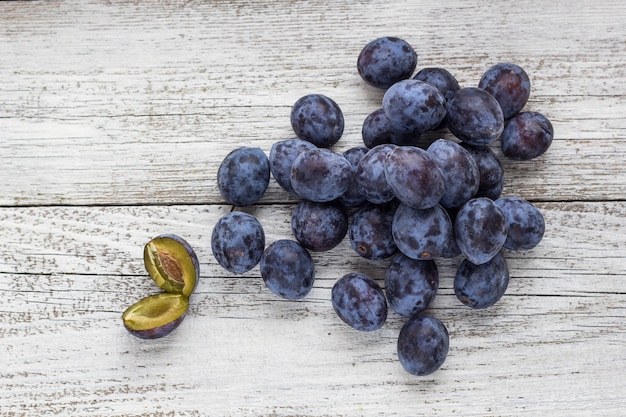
(396, 197)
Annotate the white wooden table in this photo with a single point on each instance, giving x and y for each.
(114, 117)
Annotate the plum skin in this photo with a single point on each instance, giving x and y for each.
(359, 301)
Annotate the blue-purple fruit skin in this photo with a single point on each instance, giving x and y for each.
(440, 78)
(510, 86)
(385, 61)
(353, 198)
(525, 223)
(359, 301)
(319, 226)
(370, 231)
(480, 229)
(317, 119)
(474, 116)
(377, 130)
(527, 136)
(423, 345)
(158, 332)
(370, 175)
(321, 175)
(282, 155)
(481, 286)
(422, 234)
(414, 106)
(287, 269)
(238, 241)
(460, 172)
(414, 176)
(410, 284)
(490, 169)
(443, 80)
(243, 176)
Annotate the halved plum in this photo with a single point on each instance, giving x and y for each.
(172, 263)
(155, 316)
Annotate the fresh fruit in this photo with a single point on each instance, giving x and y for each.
(238, 241)
(370, 231)
(509, 84)
(317, 119)
(243, 176)
(172, 263)
(353, 198)
(481, 286)
(527, 136)
(480, 229)
(359, 301)
(525, 223)
(410, 284)
(414, 176)
(440, 78)
(474, 116)
(490, 169)
(422, 233)
(459, 171)
(155, 316)
(282, 155)
(319, 226)
(385, 61)
(377, 130)
(413, 106)
(321, 175)
(370, 175)
(423, 345)
(411, 198)
(287, 269)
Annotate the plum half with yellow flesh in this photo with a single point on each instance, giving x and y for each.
(172, 264)
(155, 316)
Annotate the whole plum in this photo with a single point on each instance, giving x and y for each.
(480, 229)
(385, 61)
(414, 176)
(377, 130)
(243, 176)
(490, 168)
(287, 269)
(423, 345)
(318, 119)
(353, 197)
(319, 226)
(459, 170)
(481, 286)
(474, 116)
(238, 241)
(509, 84)
(359, 301)
(527, 136)
(423, 233)
(525, 223)
(370, 175)
(321, 175)
(370, 231)
(414, 107)
(410, 284)
(281, 158)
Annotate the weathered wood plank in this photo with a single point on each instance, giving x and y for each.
(109, 240)
(69, 272)
(130, 160)
(114, 117)
(151, 112)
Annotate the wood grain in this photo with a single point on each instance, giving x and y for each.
(114, 117)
